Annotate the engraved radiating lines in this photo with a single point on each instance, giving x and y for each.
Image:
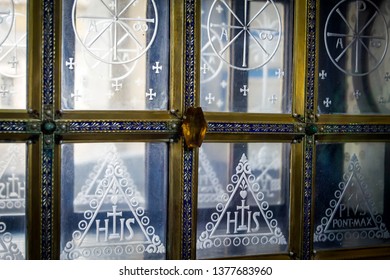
(116, 29)
(244, 35)
(354, 43)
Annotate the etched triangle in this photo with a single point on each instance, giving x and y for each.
(12, 181)
(352, 212)
(210, 189)
(8, 249)
(115, 225)
(244, 218)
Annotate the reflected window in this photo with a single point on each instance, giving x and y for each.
(245, 58)
(114, 201)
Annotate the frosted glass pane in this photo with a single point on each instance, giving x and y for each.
(13, 52)
(245, 56)
(13, 193)
(115, 55)
(353, 74)
(352, 191)
(113, 201)
(243, 206)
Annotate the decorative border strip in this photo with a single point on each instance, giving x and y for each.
(13, 126)
(221, 127)
(47, 199)
(355, 128)
(311, 57)
(190, 54)
(119, 126)
(307, 236)
(187, 203)
(48, 52)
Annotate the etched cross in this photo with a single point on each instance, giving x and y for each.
(14, 62)
(76, 96)
(357, 94)
(157, 67)
(323, 75)
(244, 90)
(219, 9)
(279, 73)
(387, 77)
(70, 64)
(204, 69)
(210, 98)
(223, 84)
(117, 85)
(273, 99)
(327, 102)
(4, 91)
(151, 94)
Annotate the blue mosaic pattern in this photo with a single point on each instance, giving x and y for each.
(190, 54)
(311, 54)
(355, 128)
(103, 126)
(220, 127)
(187, 203)
(307, 237)
(13, 126)
(47, 200)
(48, 52)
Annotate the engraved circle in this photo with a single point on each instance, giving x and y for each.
(236, 241)
(7, 15)
(129, 249)
(140, 211)
(219, 207)
(97, 252)
(145, 221)
(357, 36)
(246, 241)
(255, 240)
(140, 249)
(214, 217)
(113, 23)
(7, 237)
(217, 242)
(150, 230)
(245, 33)
(227, 242)
(2, 227)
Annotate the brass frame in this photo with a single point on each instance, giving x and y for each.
(25, 126)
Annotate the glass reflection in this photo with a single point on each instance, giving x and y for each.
(13, 54)
(115, 55)
(13, 193)
(244, 57)
(113, 201)
(242, 206)
(350, 208)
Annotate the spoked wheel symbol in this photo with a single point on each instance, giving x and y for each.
(253, 32)
(362, 47)
(114, 32)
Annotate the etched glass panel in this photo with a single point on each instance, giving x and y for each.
(13, 194)
(246, 56)
(352, 188)
(113, 201)
(115, 55)
(353, 74)
(13, 54)
(243, 205)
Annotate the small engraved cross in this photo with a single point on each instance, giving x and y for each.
(279, 73)
(204, 68)
(210, 98)
(151, 94)
(70, 64)
(244, 90)
(273, 99)
(118, 85)
(76, 95)
(157, 67)
(327, 102)
(387, 77)
(323, 75)
(223, 84)
(357, 94)
(13, 62)
(4, 91)
(219, 9)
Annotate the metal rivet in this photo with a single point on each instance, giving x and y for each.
(318, 115)
(300, 128)
(322, 129)
(34, 126)
(48, 112)
(63, 126)
(48, 141)
(311, 116)
(295, 141)
(310, 141)
(174, 125)
(171, 140)
(295, 115)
